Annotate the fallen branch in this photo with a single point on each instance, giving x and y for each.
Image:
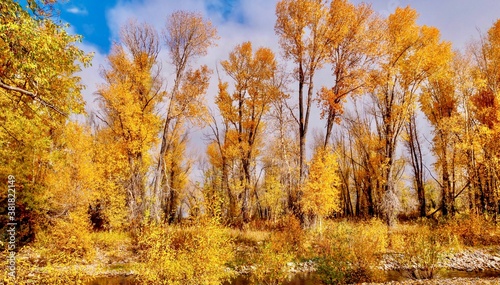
(455, 197)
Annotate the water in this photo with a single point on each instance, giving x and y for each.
(113, 280)
(297, 279)
(311, 278)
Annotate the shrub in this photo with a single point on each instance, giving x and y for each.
(197, 254)
(66, 241)
(291, 231)
(471, 230)
(417, 252)
(347, 252)
(271, 264)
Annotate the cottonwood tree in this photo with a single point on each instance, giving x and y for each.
(244, 107)
(365, 156)
(128, 101)
(410, 54)
(187, 36)
(413, 143)
(188, 106)
(304, 35)
(351, 56)
(220, 192)
(486, 55)
(39, 90)
(440, 104)
(470, 138)
(345, 172)
(282, 151)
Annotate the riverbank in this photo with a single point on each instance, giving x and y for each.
(469, 266)
(467, 260)
(450, 281)
(342, 251)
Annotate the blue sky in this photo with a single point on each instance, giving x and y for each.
(90, 18)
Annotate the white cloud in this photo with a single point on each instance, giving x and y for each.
(91, 76)
(77, 11)
(257, 26)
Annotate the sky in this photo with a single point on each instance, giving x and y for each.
(99, 22)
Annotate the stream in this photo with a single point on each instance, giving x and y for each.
(308, 279)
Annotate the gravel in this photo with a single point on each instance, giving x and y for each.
(451, 281)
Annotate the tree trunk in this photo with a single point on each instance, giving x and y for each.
(414, 146)
(446, 193)
(245, 211)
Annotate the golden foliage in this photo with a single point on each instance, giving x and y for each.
(271, 267)
(303, 30)
(352, 50)
(67, 241)
(348, 251)
(188, 35)
(321, 192)
(184, 255)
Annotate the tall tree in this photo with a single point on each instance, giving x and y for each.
(244, 109)
(305, 34)
(129, 99)
(187, 36)
(351, 55)
(282, 154)
(410, 54)
(222, 155)
(366, 158)
(470, 138)
(414, 145)
(440, 104)
(188, 106)
(486, 104)
(39, 90)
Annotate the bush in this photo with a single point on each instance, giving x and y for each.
(471, 230)
(271, 264)
(197, 254)
(66, 241)
(291, 231)
(417, 252)
(347, 252)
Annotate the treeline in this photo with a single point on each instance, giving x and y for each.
(129, 164)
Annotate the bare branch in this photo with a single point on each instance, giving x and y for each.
(34, 96)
